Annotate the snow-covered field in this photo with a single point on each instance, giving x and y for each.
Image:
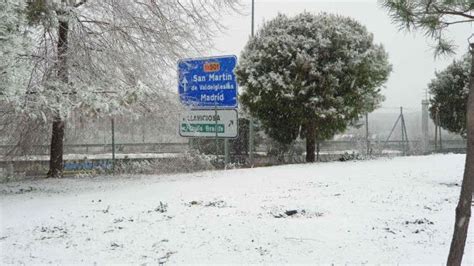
(397, 210)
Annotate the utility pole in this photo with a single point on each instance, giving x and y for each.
(403, 133)
(251, 122)
(405, 141)
(404, 137)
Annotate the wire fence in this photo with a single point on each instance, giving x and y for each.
(150, 144)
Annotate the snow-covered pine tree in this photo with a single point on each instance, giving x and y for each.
(435, 18)
(310, 76)
(14, 45)
(449, 92)
(15, 69)
(99, 57)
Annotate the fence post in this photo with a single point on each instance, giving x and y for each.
(367, 142)
(424, 127)
(10, 169)
(251, 141)
(144, 123)
(440, 139)
(113, 144)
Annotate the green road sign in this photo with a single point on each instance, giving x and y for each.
(202, 128)
(203, 123)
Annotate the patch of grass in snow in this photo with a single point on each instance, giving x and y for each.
(188, 163)
(294, 213)
(162, 208)
(49, 232)
(18, 190)
(216, 203)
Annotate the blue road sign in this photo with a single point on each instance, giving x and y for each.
(208, 82)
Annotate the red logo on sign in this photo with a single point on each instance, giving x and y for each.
(212, 67)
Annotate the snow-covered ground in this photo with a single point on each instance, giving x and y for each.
(397, 210)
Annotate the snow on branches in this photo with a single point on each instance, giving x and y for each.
(311, 68)
(13, 48)
(449, 92)
(115, 55)
(433, 17)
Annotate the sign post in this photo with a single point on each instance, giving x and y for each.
(226, 151)
(217, 137)
(251, 120)
(208, 87)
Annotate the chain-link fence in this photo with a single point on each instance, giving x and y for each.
(150, 144)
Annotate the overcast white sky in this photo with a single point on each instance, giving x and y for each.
(410, 54)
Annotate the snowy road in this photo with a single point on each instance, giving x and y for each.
(384, 211)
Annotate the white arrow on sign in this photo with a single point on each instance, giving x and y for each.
(184, 82)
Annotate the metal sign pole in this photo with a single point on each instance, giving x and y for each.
(226, 151)
(217, 140)
(251, 122)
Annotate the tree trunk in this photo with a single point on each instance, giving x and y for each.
(56, 156)
(463, 210)
(317, 150)
(310, 141)
(57, 138)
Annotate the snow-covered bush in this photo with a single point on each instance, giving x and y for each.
(449, 90)
(187, 163)
(311, 75)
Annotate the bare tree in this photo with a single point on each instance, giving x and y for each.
(434, 17)
(106, 56)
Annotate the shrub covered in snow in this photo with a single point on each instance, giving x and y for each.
(311, 75)
(189, 162)
(449, 90)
